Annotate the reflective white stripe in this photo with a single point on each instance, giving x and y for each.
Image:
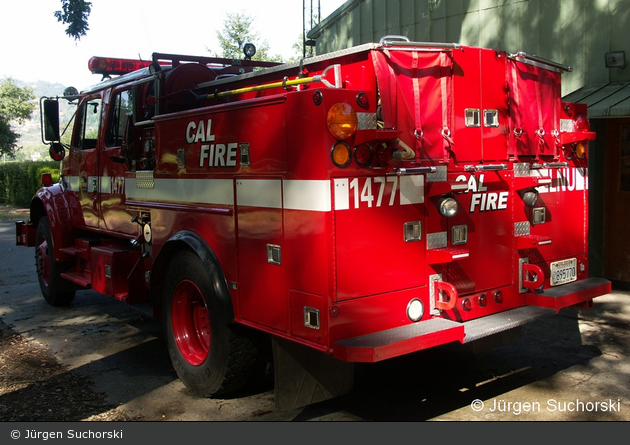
(411, 190)
(307, 195)
(342, 194)
(563, 180)
(259, 193)
(203, 191)
(73, 183)
(290, 194)
(105, 184)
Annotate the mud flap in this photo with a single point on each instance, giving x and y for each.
(304, 376)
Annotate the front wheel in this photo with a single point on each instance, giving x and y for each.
(210, 357)
(56, 290)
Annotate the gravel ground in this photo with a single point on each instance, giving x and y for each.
(35, 387)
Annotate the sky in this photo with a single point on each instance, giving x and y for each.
(35, 46)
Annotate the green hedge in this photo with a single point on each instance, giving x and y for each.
(19, 181)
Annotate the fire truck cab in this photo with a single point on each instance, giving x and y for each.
(352, 207)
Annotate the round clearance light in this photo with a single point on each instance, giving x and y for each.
(482, 300)
(340, 154)
(448, 207)
(466, 304)
(318, 97)
(342, 120)
(363, 155)
(415, 310)
(363, 100)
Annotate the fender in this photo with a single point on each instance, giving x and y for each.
(191, 241)
(52, 202)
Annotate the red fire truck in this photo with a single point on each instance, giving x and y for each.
(349, 207)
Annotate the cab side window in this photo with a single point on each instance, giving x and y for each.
(87, 124)
(121, 106)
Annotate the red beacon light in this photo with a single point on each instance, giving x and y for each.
(110, 66)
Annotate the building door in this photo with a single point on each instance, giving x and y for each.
(617, 202)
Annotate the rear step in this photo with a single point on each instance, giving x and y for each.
(427, 334)
(83, 279)
(81, 248)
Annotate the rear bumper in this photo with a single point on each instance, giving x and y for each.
(438, 331)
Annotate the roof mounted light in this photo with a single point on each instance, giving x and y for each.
(249, 50)
(110, 66)
(70, 94)
(155, 68)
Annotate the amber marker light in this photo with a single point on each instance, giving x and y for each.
(340, 154)
(580, 150)
(342, 121)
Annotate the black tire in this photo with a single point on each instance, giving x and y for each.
(56, 290)
(210, 357)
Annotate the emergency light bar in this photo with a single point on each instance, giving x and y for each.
(111, 66)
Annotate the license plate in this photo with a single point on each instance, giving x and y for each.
(563, 272)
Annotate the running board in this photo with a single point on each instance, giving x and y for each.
(427, 334)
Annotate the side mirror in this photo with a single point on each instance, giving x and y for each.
(50, 124)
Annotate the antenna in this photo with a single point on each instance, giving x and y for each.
(310, 43)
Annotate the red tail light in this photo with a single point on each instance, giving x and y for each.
(581, 123)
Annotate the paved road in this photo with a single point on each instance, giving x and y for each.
(573, 366)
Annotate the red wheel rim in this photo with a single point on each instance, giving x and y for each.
(191, 323)
(42, 261)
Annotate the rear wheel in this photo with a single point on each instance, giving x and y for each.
(56, 290)
(211, 358)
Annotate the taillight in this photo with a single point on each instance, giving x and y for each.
(581, 123)
(342, 121)
(363, 155)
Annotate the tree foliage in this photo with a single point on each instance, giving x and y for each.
(237, 31)
(16, 105)
(19, 181)
(74, 13)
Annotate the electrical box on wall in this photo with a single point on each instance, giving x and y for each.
(616, 59)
